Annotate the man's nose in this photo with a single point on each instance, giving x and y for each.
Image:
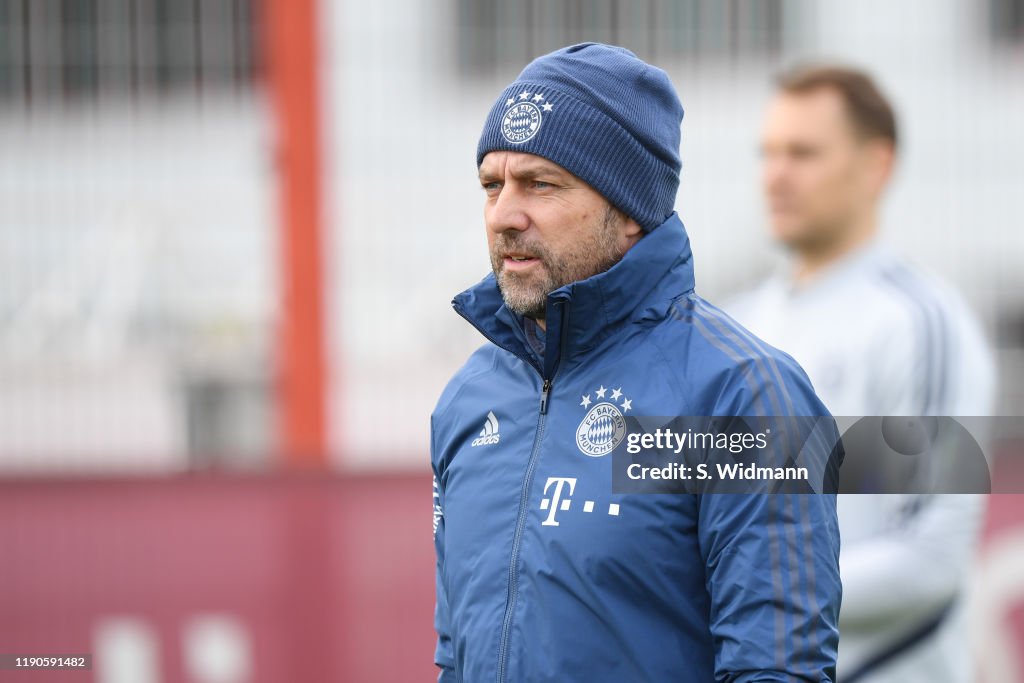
(774, 171)
(508, 211)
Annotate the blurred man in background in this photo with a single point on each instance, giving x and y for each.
(876, 337)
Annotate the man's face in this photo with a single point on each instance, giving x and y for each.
(546, 228)
(818, 175)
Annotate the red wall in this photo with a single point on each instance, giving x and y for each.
(332, 577)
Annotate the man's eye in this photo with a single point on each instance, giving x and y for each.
(491, 187)
(541, 185)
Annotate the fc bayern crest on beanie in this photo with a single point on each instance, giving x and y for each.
(604, 115)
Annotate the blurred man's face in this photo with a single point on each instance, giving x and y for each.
(818, 175)
(546, 228)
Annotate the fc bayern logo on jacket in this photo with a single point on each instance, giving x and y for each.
(523, 117)
(604, 426)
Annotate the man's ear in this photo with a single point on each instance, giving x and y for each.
(881, 159)
(630, 232)
(632, 229)
(628, 228)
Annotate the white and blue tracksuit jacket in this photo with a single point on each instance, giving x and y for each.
(543, 574)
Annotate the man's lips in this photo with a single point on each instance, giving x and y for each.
(781, 205)
(518, 262)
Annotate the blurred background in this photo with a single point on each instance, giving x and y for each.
(230, 231)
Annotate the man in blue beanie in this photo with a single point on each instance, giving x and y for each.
(543, 571)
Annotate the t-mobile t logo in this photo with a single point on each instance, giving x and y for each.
(555, 501)
(559, 499)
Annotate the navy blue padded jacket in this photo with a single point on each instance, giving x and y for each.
(543, 574)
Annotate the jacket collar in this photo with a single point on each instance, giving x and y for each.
(654, 272)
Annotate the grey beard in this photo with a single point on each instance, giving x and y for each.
(528, 296)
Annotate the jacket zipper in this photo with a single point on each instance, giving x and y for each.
(513, 571)
(524, 494)
(544, 391)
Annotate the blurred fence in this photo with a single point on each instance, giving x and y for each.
(139, 238)
(137, 290)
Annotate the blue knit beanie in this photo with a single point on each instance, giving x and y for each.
(602, 114)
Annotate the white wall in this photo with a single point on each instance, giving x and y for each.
(135, 243)
(406, 213)
(138, 251)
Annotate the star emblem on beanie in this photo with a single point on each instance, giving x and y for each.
(610, 118)
(522, 118)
